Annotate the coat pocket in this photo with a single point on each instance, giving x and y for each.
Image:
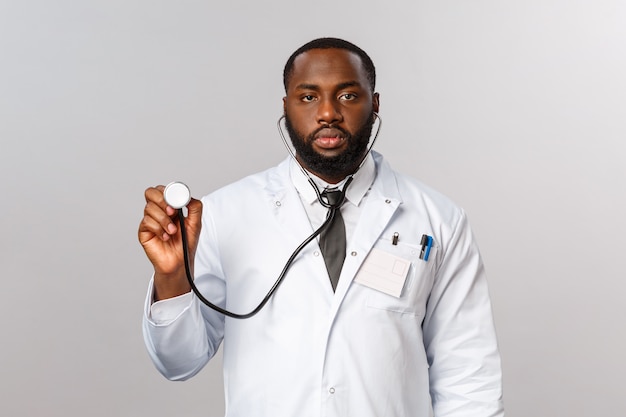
(412, 300)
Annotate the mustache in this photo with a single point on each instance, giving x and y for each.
(344, 132)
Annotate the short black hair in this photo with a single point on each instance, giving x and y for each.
(332, 43)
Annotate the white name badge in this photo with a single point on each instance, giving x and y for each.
(383, 272)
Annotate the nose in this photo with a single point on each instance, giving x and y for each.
(328, 112)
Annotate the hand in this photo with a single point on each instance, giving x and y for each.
(159, 234)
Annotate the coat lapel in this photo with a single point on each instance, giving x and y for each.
(382, 202)
(286, 205)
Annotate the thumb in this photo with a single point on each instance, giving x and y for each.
(193, 222)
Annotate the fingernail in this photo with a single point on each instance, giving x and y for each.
(171, 228)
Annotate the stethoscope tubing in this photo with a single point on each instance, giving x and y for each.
(279, 280)
(332, 209)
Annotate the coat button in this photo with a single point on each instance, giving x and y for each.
(331, 390)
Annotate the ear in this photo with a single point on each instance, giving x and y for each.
(284, 105)
(375, 102)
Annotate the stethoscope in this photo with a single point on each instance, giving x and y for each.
(177, 195)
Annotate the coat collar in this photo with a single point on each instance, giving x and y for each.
(361, 183)
(384, 184)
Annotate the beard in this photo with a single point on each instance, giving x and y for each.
(338, 166)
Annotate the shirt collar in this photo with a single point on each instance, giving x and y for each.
(361, 183)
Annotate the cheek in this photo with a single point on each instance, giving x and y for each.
(357, 118)
(301, 119)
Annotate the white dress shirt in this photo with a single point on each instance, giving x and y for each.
(356, 195)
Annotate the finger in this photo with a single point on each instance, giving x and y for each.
(194, 208)
(155, 195)
(194, 213)
(170, 211)
(149, 228)
(165, 222)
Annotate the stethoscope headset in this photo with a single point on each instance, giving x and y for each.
(177, 196)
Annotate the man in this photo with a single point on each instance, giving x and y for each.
(404, 330)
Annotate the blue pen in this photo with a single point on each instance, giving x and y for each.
(428, 246)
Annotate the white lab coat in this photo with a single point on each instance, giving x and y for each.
(356, 352)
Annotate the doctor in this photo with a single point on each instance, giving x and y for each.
(401, 327)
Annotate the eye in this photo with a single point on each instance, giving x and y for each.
(347, 97)
(308, 98)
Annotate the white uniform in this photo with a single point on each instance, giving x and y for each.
(356, 352)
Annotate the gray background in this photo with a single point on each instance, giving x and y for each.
(513, 109)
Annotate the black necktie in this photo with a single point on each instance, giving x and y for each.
(333, 239)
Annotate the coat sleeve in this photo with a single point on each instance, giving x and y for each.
(184, 334)
(459, 334)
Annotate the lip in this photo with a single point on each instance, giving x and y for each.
(329, 138)
(329, 143)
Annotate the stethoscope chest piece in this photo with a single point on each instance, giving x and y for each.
(177, 195)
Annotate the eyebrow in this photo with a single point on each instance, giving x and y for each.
(315, 87)
(307, 87)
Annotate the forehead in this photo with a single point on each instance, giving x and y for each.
(327, 66)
